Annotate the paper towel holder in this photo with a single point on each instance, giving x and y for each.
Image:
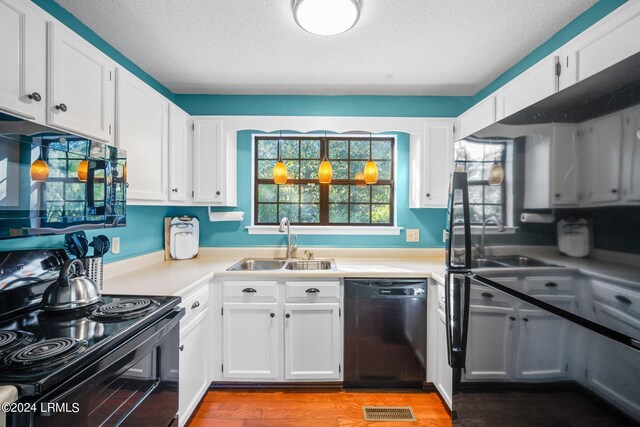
(225, 216)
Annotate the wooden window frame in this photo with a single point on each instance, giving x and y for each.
(324, 188)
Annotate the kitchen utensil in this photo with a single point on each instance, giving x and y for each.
(93, 267)
(184, 237)
(72, 289)
(101, 245)
(77, 243)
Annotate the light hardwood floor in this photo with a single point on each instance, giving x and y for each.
(260, 408)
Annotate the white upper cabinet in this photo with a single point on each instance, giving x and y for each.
(631, 157)
(476, 118)
(565, 185)
(80, 96)
(214, 164)
(142, 131)
(535, 84)
(431, 165)
(602, 140)
(179, 141)
(23, 65)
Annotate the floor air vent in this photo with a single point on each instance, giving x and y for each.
(388, 413)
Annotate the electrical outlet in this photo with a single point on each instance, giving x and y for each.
(413, 235)
(115, 245)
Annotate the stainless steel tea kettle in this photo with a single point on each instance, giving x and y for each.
(72, 289)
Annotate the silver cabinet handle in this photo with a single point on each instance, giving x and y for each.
(61, 107)
(249, 291)
(35, 96)
(195, 305)
(313, 291)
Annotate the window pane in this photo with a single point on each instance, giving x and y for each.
(267, 149)
(57, 168)
(73, 168)
(74, 191)
(359, 214)
(355, 167)
(475, 194)
(267, 193)
(360, 194)
(74, 210)
(55, 191)
(474, 171)
(360, 149)
(309, 193)
(340, 169)
(265, 169)
(381, 150)
(380, 214)
(475, 212)
(289, 193)
(493, 210)
(338, 193)
(493, 194)
(309, 169)
(54, 212)
(290, 149)
(338, 149)
(267, 213)
(338, 213)
(310, 149)
(384, 170)
(291, 211)
(310, 213)
(381, 193)
(293, 169)
(474, 151)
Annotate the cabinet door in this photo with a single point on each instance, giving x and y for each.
(445, 373)
(179, 128)
(541, 351)
(476, 118)
(631, 166)
(533, 85)
(564, 166)
(208, 161)
(81, 90)
(437, 164)
(23, 66)
(603, 150)
(250, 340)
(489, 347)
(312, 341)
(194, 359)
(142, 132)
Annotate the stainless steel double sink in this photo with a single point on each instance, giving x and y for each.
(271, 264)
(510, 261)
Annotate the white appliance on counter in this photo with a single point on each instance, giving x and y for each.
(184, 235)
(574, 238)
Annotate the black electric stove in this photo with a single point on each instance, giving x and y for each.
(112, 363)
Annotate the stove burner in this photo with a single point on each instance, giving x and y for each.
(9, 339)
(46, 353)
(125, 309)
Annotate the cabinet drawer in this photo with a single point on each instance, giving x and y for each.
(616, 296)
(195, 303)
(488, 296)
(312, 291)
(550, 285)
(249, 290)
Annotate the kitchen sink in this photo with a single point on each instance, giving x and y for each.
(521, 261)
(309, 265)
(254, 264)
(270, 264)
(485, 263)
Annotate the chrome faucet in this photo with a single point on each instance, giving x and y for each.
(285, 225)
(480, 248)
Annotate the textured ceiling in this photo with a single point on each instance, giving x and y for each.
(399, 47)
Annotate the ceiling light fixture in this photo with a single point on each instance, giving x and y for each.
(326, 17)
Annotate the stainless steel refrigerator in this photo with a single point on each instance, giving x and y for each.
(543, 261)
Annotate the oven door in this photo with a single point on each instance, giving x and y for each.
(134, 385)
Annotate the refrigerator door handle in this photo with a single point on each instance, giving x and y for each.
(460, 186)
(457, 287)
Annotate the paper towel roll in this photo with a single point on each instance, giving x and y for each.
(537, 218)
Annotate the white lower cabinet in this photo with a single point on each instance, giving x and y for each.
(444, 382)
(274, 331)
(250, 340)
(438, 370)
(195, 353)
(312, 341)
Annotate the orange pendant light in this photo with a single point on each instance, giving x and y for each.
(495, 175)
(83, 170)
(280, 169)
(325, 172)
(370, 169)
(39, 169)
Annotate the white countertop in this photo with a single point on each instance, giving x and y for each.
(153, 276)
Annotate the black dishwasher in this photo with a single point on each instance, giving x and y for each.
(385, 333)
